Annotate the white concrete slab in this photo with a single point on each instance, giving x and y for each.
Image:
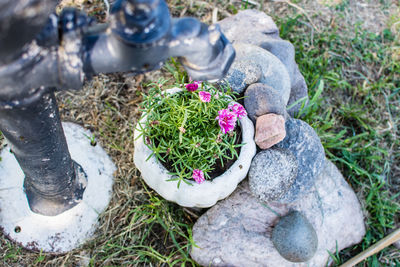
(64, 232)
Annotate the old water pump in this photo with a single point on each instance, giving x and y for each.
(54, 185)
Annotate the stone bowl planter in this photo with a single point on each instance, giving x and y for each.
(195, 195)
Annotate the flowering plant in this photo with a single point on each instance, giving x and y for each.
(192, 132)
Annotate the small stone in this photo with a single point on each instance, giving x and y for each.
(271, 173)
(270, 130)
(261, 99)
(243, 73)
(274, 73)
(295, 238)
(304, 143)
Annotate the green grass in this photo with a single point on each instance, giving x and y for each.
(149, 227)
(353, 84)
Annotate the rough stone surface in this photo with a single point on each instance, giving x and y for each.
(304, 143)
(271, 173)
(237, 231)
(274, 73)
(242, 74)
(257, 28)
(295, 238)
(397, 244)
(249, 26)
(284, 50)
(298, 95)
(270, 130)
(261, 99)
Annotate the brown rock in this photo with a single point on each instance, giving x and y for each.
(270, 130)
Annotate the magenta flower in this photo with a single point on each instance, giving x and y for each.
(226, 120)
(198, 176)
(191, 87)
(238, 110)
(205, 96)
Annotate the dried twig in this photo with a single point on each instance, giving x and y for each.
(107, 5)
(215, 15)
(383, 243)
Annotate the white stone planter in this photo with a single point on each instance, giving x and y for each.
(196, 195)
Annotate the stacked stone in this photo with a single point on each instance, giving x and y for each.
(296, 205)
(265, 71)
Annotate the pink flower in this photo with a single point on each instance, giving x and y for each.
(191, 87)
(226, 120)
(238, 110)
(205, 96)
(198, 176)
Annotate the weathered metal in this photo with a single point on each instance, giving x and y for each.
(53, 181)
(39, 57)
(142, 36)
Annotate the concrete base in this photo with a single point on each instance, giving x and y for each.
(64, 232)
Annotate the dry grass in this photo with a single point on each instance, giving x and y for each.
(139, 228)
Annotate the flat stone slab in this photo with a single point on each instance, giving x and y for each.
(237, 231)
(68, 230)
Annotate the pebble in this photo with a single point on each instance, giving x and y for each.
(270, 130)
(295, 238)
(262, 99)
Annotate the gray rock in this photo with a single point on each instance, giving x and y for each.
(283, 50)
(255, 27)
(298, 96)
(304, 143)
(242, 74)
(249, 26)
(295, 238)
(273, 71)
(237, 231)
(397, 244)
(261, 99)
(271, 173)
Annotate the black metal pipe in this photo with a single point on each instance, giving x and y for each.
(142, 41)
(53, 181)
(29, 117)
